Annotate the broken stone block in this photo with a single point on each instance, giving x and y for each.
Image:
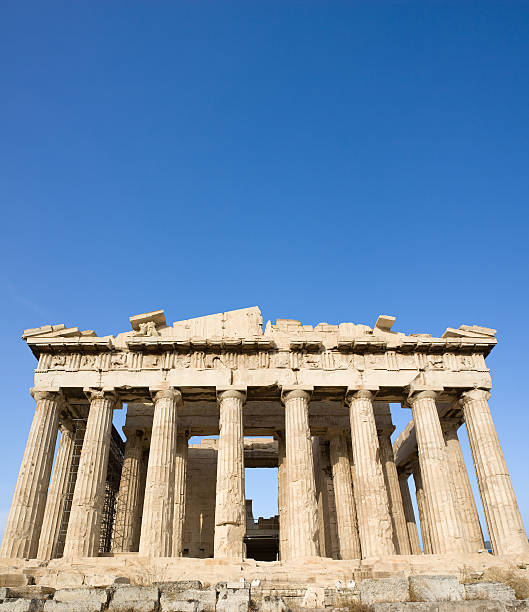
(233, 599)
(196, 600)
(134, 598)
(88, 595)
(435, 588)
(497, 591)
(21, 605)
(383, 590)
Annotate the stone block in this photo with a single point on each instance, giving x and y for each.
(88, 595)
(233, 600)
(314, 598)
(72, 606)
(134, 593)
(497, 591)
(22, 605)
(18, 579)
(383, 590)
(145, 605)
(435, 588)
(176, 600)
(443, 606)
(272, 603)
(178, 585)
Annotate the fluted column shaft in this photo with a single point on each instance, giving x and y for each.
(372, 505)
(345, 505)
(411, 525)
(463, 496)
(51, 521)
(389, 469)
(179, 493)
(127, 501)
(282, 497)
(302, 503)
(444, 528)
(422, 505)
(22, 531)
(158, 506)
(503, 517)
(84, 526)
(230, 508)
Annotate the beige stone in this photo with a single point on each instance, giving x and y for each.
(128, 499)
(411, 525)
(179, 493)
(230, 510)
(349, 540)
(21, 535)
(56, 494)
(84, 526)
(158, 506)
(445, 532)
(302, 505)
(503, 517)
(372, 506)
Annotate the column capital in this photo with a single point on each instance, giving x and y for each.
(474, 395)
(353, 393)
(172, 393)
(291, 392)
(45, 394)
(419, 393)
(239, 393)
(95, 393)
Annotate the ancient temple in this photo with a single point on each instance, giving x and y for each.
(313, 401)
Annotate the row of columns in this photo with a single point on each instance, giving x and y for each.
(373, 504)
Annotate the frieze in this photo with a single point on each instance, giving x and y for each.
(279, 359)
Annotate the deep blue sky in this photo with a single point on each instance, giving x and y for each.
(327, 161)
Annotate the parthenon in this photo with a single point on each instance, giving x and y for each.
(313, 401)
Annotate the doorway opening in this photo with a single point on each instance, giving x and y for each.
(262, 519)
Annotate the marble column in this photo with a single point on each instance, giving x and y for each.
(22, 531)
(389, 469)
(503, 517)
(409, 515)
(144, 462)
(445, 531)
(422, 505)
(372, 505)
(179, 492)
(84, 526)
(302, 503)
(158, 506)
(51, 521)
(282, 496)
(463, 496)
(127, 501)
(349, 540)
(230, 507)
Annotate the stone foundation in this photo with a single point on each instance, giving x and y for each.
(127, 583)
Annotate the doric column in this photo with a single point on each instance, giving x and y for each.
(422, 505)
(144, 462)
(230, 508)
(179, 492)
(84, 526)
(51, 522)
(372, 506)
(444, 529)
(282, 496)
(463, 496)
(21, 535)
(127, 500)
(389, 469)
(411, 525)
(503, 517)
(158, 506)
(302, 504)
(345, 505)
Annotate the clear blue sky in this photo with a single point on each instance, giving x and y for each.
(327, 161)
